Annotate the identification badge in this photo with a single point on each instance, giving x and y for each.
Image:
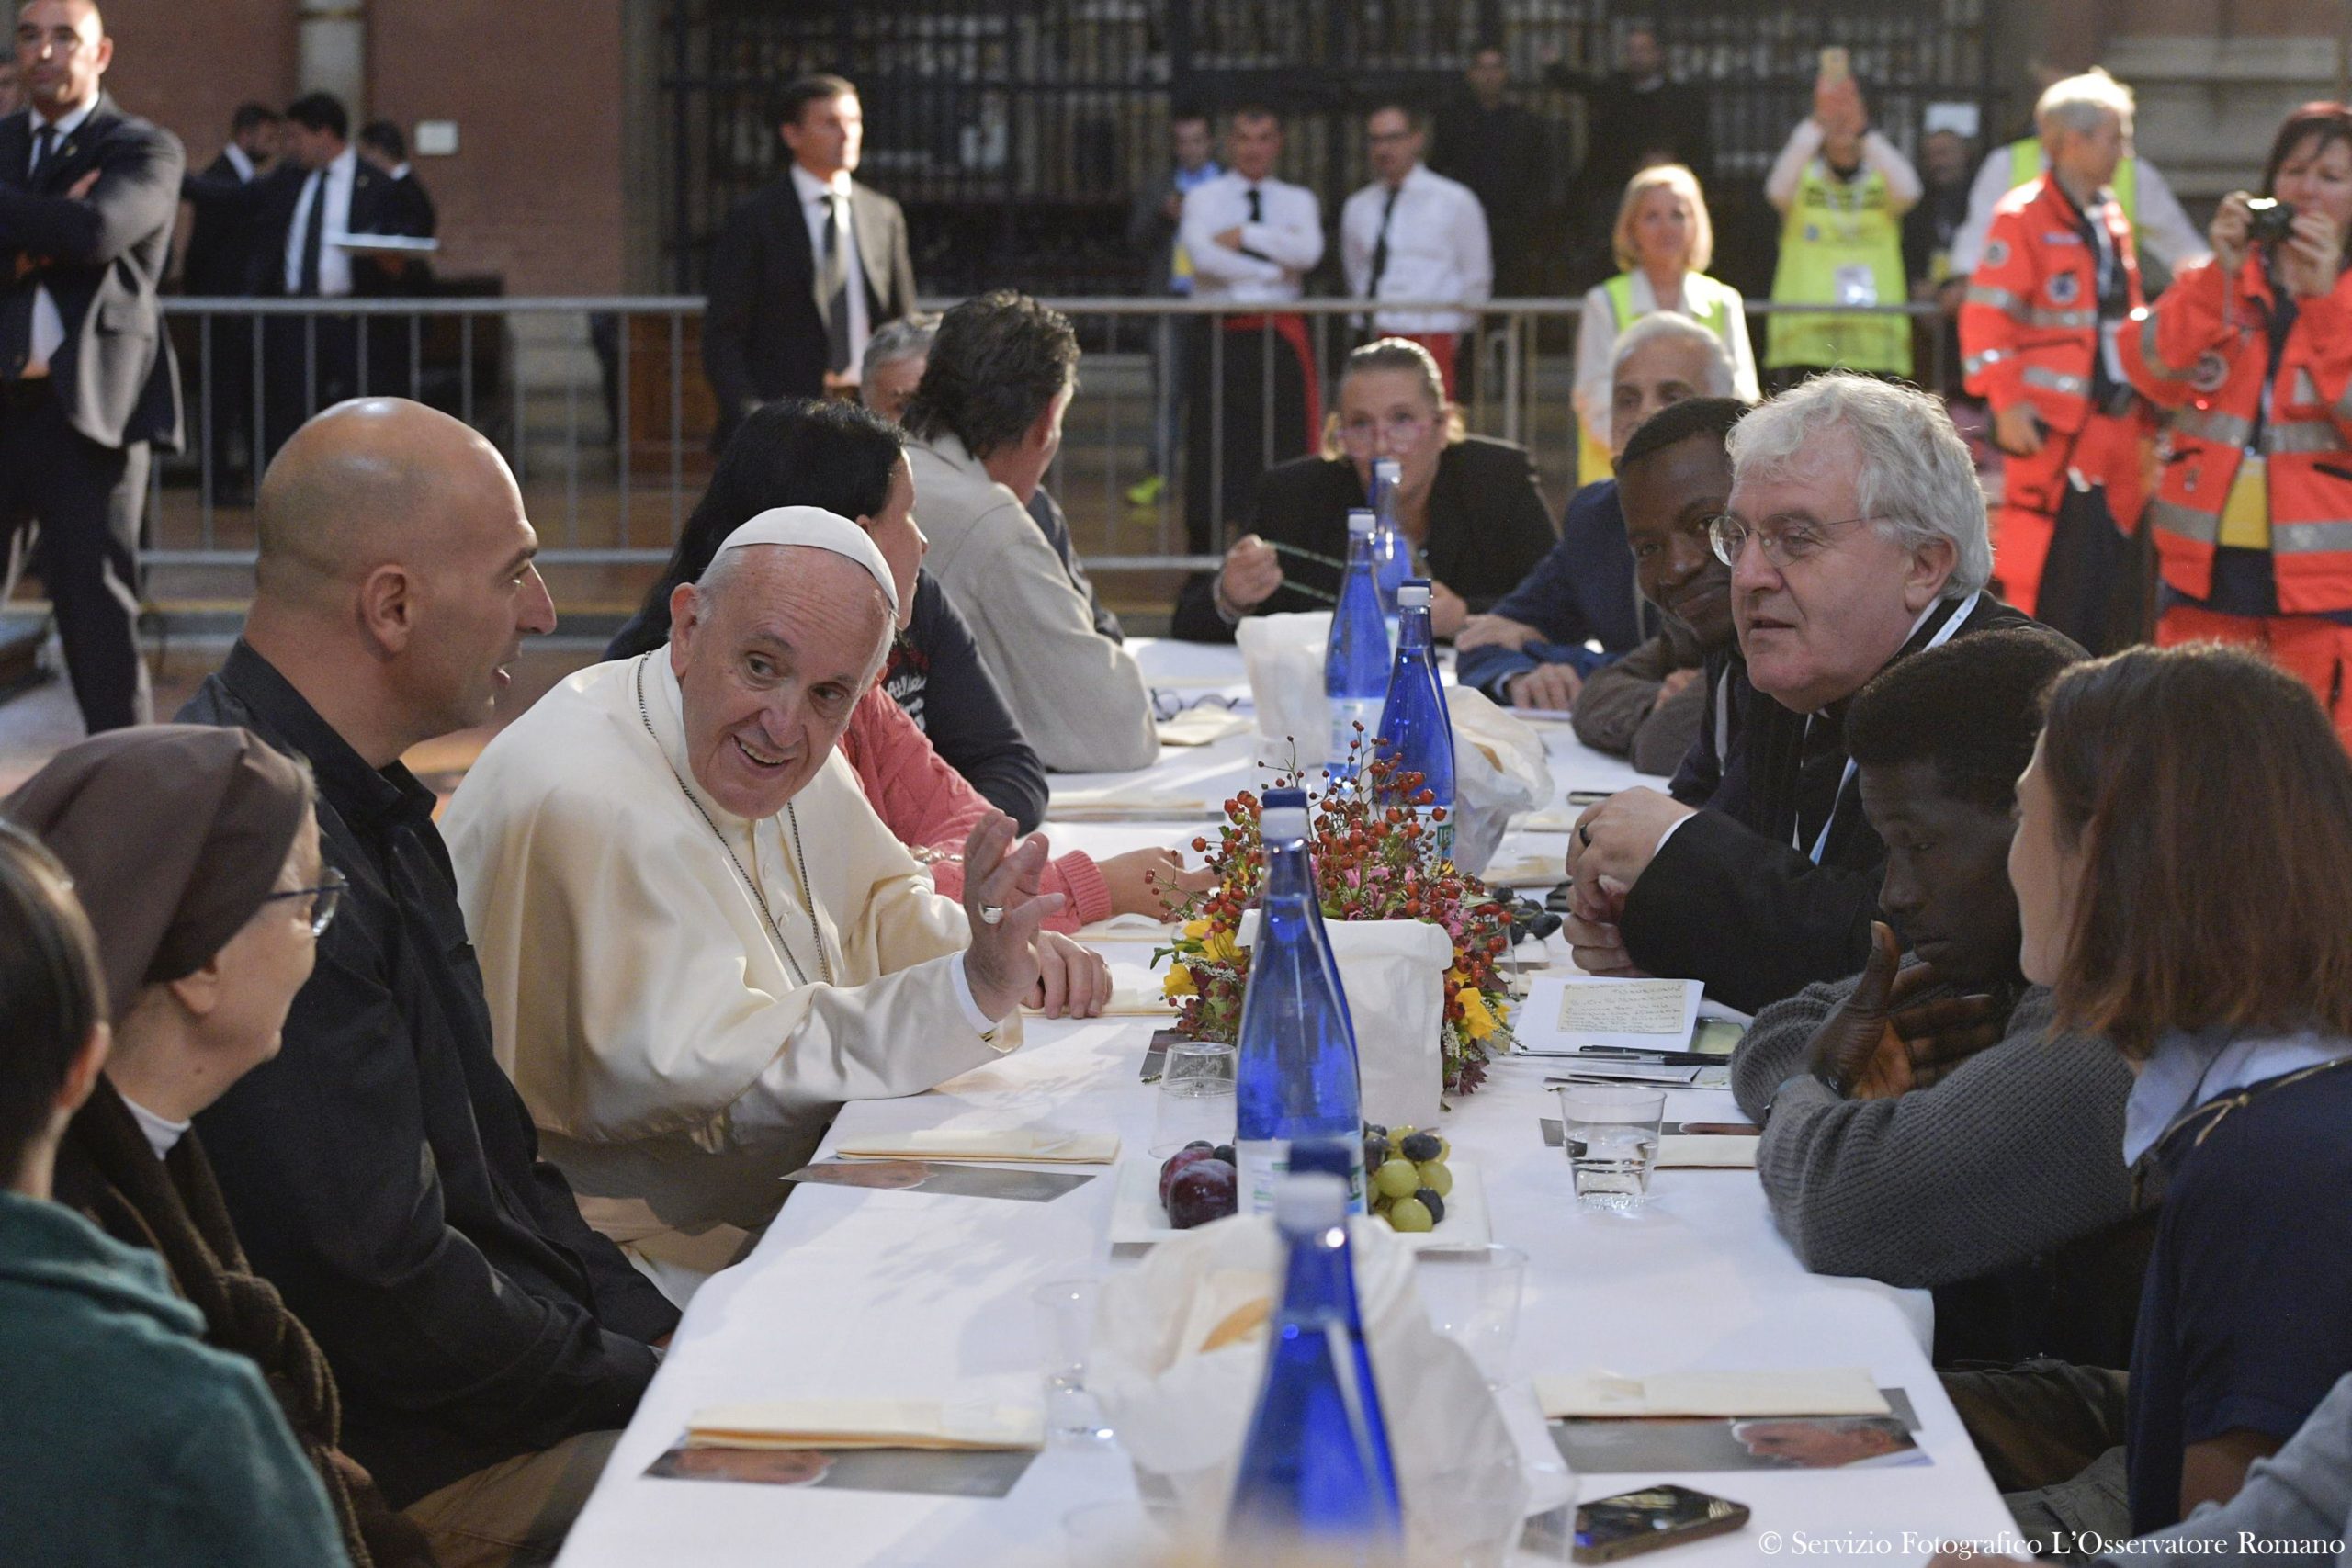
(2245, 517)
(1854, 285)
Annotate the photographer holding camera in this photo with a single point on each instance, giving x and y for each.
(2253, 514)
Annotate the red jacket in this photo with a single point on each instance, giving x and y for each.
(928, 805)
(2203, 350)
(2029, 325)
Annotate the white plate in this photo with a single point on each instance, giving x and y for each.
(1137, 1219)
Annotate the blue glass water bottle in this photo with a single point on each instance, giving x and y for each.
(1356, 659)
(1297, 1059)
(1392, 553)
(1416, 729)
(1316, 1471)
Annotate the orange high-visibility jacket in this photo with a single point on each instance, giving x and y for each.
(2203, 350)
(2029, 325)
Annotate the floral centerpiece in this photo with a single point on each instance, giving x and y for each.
(1374, 860)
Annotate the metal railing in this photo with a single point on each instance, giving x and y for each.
(600, 406)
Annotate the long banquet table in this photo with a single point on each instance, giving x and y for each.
(856, 1293)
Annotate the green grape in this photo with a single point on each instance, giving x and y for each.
(1397, 1179)
(1436, 1176)
(1411, 1214)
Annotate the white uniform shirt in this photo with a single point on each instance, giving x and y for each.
(2163, 229)
(49, 327)
(814, 195)
(1283, 246)
(332, 184)
(1437, 249)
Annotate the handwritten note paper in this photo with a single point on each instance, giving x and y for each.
(1569, 1014)
(1624, 1007)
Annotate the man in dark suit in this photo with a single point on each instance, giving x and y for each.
(321, 192)
(384, 149)
(87, 197)
(807, 267)
(1758, 870)
(219, 264)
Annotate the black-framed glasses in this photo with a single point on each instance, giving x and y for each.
(325, 898)
(1786, 541)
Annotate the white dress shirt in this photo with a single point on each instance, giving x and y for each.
(1277, 251)
(49, 327)
(814, 195)
(239, 160)
(334, 263)
(1437, 249)
(2163, 230)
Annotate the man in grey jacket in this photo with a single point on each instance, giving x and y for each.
(985, 421)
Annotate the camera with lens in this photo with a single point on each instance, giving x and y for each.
(2269, 220)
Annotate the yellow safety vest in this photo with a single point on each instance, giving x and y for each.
(1840, 245)
(1707, 301)
(2027, 162)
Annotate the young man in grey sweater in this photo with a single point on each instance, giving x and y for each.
(1922, 1125)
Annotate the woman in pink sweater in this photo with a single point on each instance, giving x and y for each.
(930, 808)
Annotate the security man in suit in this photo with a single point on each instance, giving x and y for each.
(219, 264)
(321, 192)
(807, 267)
(87, 199)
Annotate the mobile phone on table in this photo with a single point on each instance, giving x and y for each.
(1837, 64)
(1655, 1517)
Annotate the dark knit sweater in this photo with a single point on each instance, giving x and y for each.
(2015, 1153)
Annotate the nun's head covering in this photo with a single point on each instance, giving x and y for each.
(174, 834)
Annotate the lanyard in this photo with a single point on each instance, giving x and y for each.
(1943, 635)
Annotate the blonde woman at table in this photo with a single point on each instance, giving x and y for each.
(2183, 864)
(1470, 505)
(1665, 242)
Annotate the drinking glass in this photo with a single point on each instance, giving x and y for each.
(1196, 1097)
(1472, 1298)
(1611, 1132)
(1065, 1326)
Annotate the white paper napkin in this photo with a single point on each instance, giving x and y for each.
(866, 1424)
(1820, 1391)
(1042, 1145)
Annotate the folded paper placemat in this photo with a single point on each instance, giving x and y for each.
(1130, 805)
(866, 1424)
(1819, 1390)
(1042, 1145)
(1722, 1152)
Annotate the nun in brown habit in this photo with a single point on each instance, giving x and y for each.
(196, 853)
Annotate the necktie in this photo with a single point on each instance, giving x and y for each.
(1257, 207)
(1380, 247)
(43, 139)
(834, 286)
(313, 234)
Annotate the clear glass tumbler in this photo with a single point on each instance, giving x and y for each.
(1611, 1132)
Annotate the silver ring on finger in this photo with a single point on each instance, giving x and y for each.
(991, 914)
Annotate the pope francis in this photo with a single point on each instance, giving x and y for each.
(696, 938)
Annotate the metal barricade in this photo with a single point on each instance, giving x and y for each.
(601, 407)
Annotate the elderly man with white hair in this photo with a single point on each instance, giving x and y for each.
(1856, 536)
(696, 938)
(1530, 649)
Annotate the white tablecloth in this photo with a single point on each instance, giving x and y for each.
(856, 1293)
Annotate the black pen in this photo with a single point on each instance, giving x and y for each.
(1663, 1058)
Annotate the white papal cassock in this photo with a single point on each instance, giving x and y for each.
(675, 1063)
